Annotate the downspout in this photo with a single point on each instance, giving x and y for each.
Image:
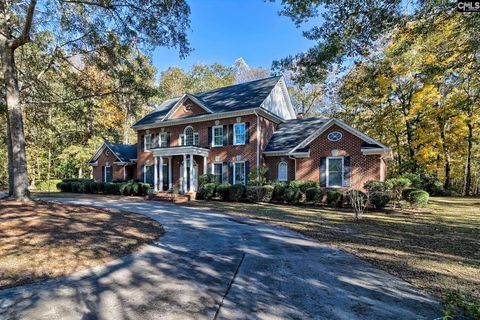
(258, 145)
(294, 167)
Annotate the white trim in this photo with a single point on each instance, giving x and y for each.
(214, 116)
(342, 125)
(181, 101)
(244, 134)
(235, 172)
(327, 171)
(278, 170)
(213, 136)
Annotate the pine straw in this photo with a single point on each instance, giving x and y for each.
(434, 249)
(41, 240)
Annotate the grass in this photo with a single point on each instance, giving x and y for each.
(435, 250)
(41, 240)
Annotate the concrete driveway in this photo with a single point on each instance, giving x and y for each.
(213, 266)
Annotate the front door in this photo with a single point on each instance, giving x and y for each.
(187, 180)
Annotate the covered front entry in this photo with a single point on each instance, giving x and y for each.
(188, 181)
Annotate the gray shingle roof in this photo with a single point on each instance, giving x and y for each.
(292, 132)
(124, 152)
(237, 97)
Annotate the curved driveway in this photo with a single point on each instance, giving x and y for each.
(210, 265)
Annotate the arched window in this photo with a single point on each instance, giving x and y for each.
(188, 132)
(282, 171)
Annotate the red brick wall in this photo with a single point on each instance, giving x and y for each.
(117, 170)
(363, 168)
(226, 153)
(181, 113)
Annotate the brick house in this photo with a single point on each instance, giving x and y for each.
(233, 130)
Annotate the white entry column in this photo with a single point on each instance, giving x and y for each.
(155, 174)
(184, 174)
(160, 184)
(191, 189)
(170, 173)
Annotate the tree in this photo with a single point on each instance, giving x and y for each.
(79, 27)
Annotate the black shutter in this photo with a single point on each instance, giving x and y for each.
(210, 133)
(230, 134)
(346, 171)
(224, 172)
(142, 142)
(230, 172)
(225, 135)
(247, 171)
(247, 132)
(168, 139)
(323, 172)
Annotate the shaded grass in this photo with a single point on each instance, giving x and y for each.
(41, 240)
(435, 250)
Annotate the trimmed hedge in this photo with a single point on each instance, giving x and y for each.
(259, 193)
(90, 186)
(418, 198)
(236, 192)
(314, 195)
(334, 198)
(293, 195)
(222, 190)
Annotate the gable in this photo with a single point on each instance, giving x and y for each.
(187, 108)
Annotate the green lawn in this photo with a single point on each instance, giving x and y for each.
(436, 249)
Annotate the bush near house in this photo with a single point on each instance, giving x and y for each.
(130, 188)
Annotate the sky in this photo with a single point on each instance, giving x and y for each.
(225, 30)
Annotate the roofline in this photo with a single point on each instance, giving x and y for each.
(100, 150)
(182, 100)
(342, 125)
(210, 116)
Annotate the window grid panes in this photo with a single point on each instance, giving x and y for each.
(239, 173)
(217, 171)
(217, 136)
(239, 133)
(335, 172)
(282, 171)
(148, 142)
(188, 136)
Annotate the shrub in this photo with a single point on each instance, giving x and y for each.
(397, 185)
(418, 198)
(314, 195)
(236, 192)
(221, 191)
(303, 185)
(279, 192)
(47, 185)
(334, 198)
(293, 195)
(380, 200)
(206, 178)
(209, 190)
(259, 193)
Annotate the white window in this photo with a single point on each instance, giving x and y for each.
(148, 142)
(217, 134)
(239, 173)
(334, 136)
(239, 133)
(335, 172)
(217, 171)
(188, 133)
(282, 171)
(162, 142)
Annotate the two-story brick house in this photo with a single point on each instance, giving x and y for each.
(233, 130)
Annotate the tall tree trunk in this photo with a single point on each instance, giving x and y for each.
(15, 117)
(468, 165)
